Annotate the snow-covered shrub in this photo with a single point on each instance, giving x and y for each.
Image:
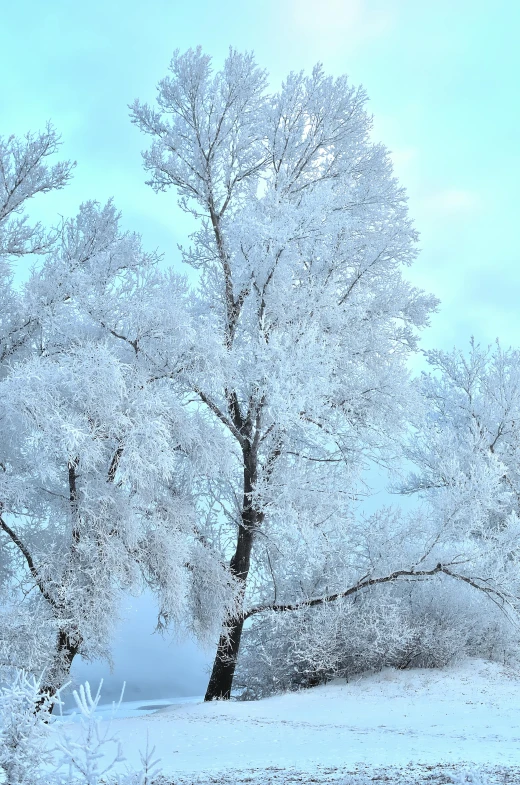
(450, 621)
(83, 756)
(417, 624)
(96, 751)
(90, 757)
(312, 645)
(23, 731)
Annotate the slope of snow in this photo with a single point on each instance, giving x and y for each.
(420, 718)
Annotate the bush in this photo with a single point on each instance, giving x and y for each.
(23, 731)
(428, 625)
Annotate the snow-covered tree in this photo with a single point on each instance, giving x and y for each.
(93, 497)
(302, 321)
(25, 173)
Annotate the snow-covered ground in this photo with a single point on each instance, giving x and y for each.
(409, 721)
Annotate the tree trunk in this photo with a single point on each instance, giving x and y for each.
(221, 679)
(67, 647)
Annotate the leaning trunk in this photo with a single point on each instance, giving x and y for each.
(221, 679)
(223, 672)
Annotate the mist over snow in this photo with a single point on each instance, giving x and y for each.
(151, 664)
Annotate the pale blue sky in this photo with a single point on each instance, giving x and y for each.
(442, 78)
(443, 82)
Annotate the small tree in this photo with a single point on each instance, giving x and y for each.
(92, 498)
(302, 320)
(28, 758)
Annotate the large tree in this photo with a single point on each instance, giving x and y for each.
(302, 321)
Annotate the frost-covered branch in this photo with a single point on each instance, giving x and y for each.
(15, 539)
(24, 173)
(366, 583)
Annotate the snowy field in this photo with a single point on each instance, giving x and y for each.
(409, 726)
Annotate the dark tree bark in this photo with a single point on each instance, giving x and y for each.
(223, 671)
(222, 674)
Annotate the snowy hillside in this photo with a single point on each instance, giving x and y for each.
(415, 726)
